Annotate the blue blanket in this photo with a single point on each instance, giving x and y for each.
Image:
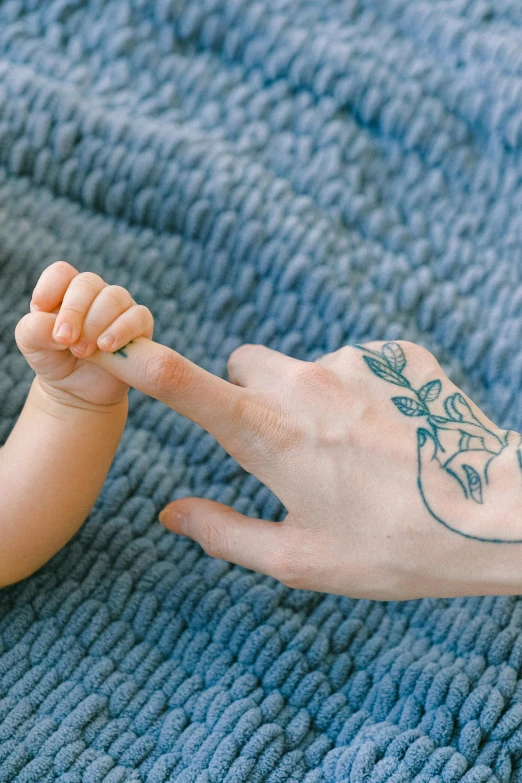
(302, 174)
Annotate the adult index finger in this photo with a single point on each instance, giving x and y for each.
(223, 409)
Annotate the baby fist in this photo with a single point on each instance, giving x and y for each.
(73, 315)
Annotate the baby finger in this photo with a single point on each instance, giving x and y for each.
(137, 321)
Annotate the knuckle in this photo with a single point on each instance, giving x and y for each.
(63, 266)
(419, 353)
(71, 312)
(303, 558)
(239, 351)
(23, 322)
(22, 328)
(286, 433)
(213, 540)
(146, 321)
(90, 278)
(342, 356)
(241, 410)
(427, 355)
(408, 345)
(144, 313)
(250, 416)
(136, 320)
(288, 566)
(281, 433)
(116, 292)
(168, 372)
(264, 419)
(313, 378)
(238, 355)
(346, 353)
(412, 350)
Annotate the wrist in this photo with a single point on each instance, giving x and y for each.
(58, 402)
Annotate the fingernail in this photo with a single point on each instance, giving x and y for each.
(34, 308)
(163, 517)
(65, 330)
(81, 346)
(106, 341)
(174, 519)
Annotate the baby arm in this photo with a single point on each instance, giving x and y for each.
(52, 469)
(56, 458)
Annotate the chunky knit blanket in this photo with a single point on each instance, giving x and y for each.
(302, 174)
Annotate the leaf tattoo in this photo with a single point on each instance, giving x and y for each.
(394, 355)
(385, 371)
(409, 406)
(430, 391)
(451, 410)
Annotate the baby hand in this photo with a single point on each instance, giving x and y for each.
(93, 311)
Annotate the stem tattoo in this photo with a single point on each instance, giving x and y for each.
(458, 478)
(121, 351)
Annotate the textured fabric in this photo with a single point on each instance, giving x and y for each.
(302, 174)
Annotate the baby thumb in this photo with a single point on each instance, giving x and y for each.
(225, 533)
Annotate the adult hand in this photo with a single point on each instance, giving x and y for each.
(378, 507)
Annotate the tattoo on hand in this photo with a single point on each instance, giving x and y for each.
(121, 351)
(457, 483)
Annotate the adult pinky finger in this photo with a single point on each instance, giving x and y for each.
(137, 321)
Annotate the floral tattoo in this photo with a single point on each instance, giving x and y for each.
(467, 457)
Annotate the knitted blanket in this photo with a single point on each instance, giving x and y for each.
(302, 174)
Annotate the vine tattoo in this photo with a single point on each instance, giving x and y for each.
(467, 456)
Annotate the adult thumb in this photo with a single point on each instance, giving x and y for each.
(228, 535)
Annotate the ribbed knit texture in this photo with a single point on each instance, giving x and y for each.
(302, 174)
